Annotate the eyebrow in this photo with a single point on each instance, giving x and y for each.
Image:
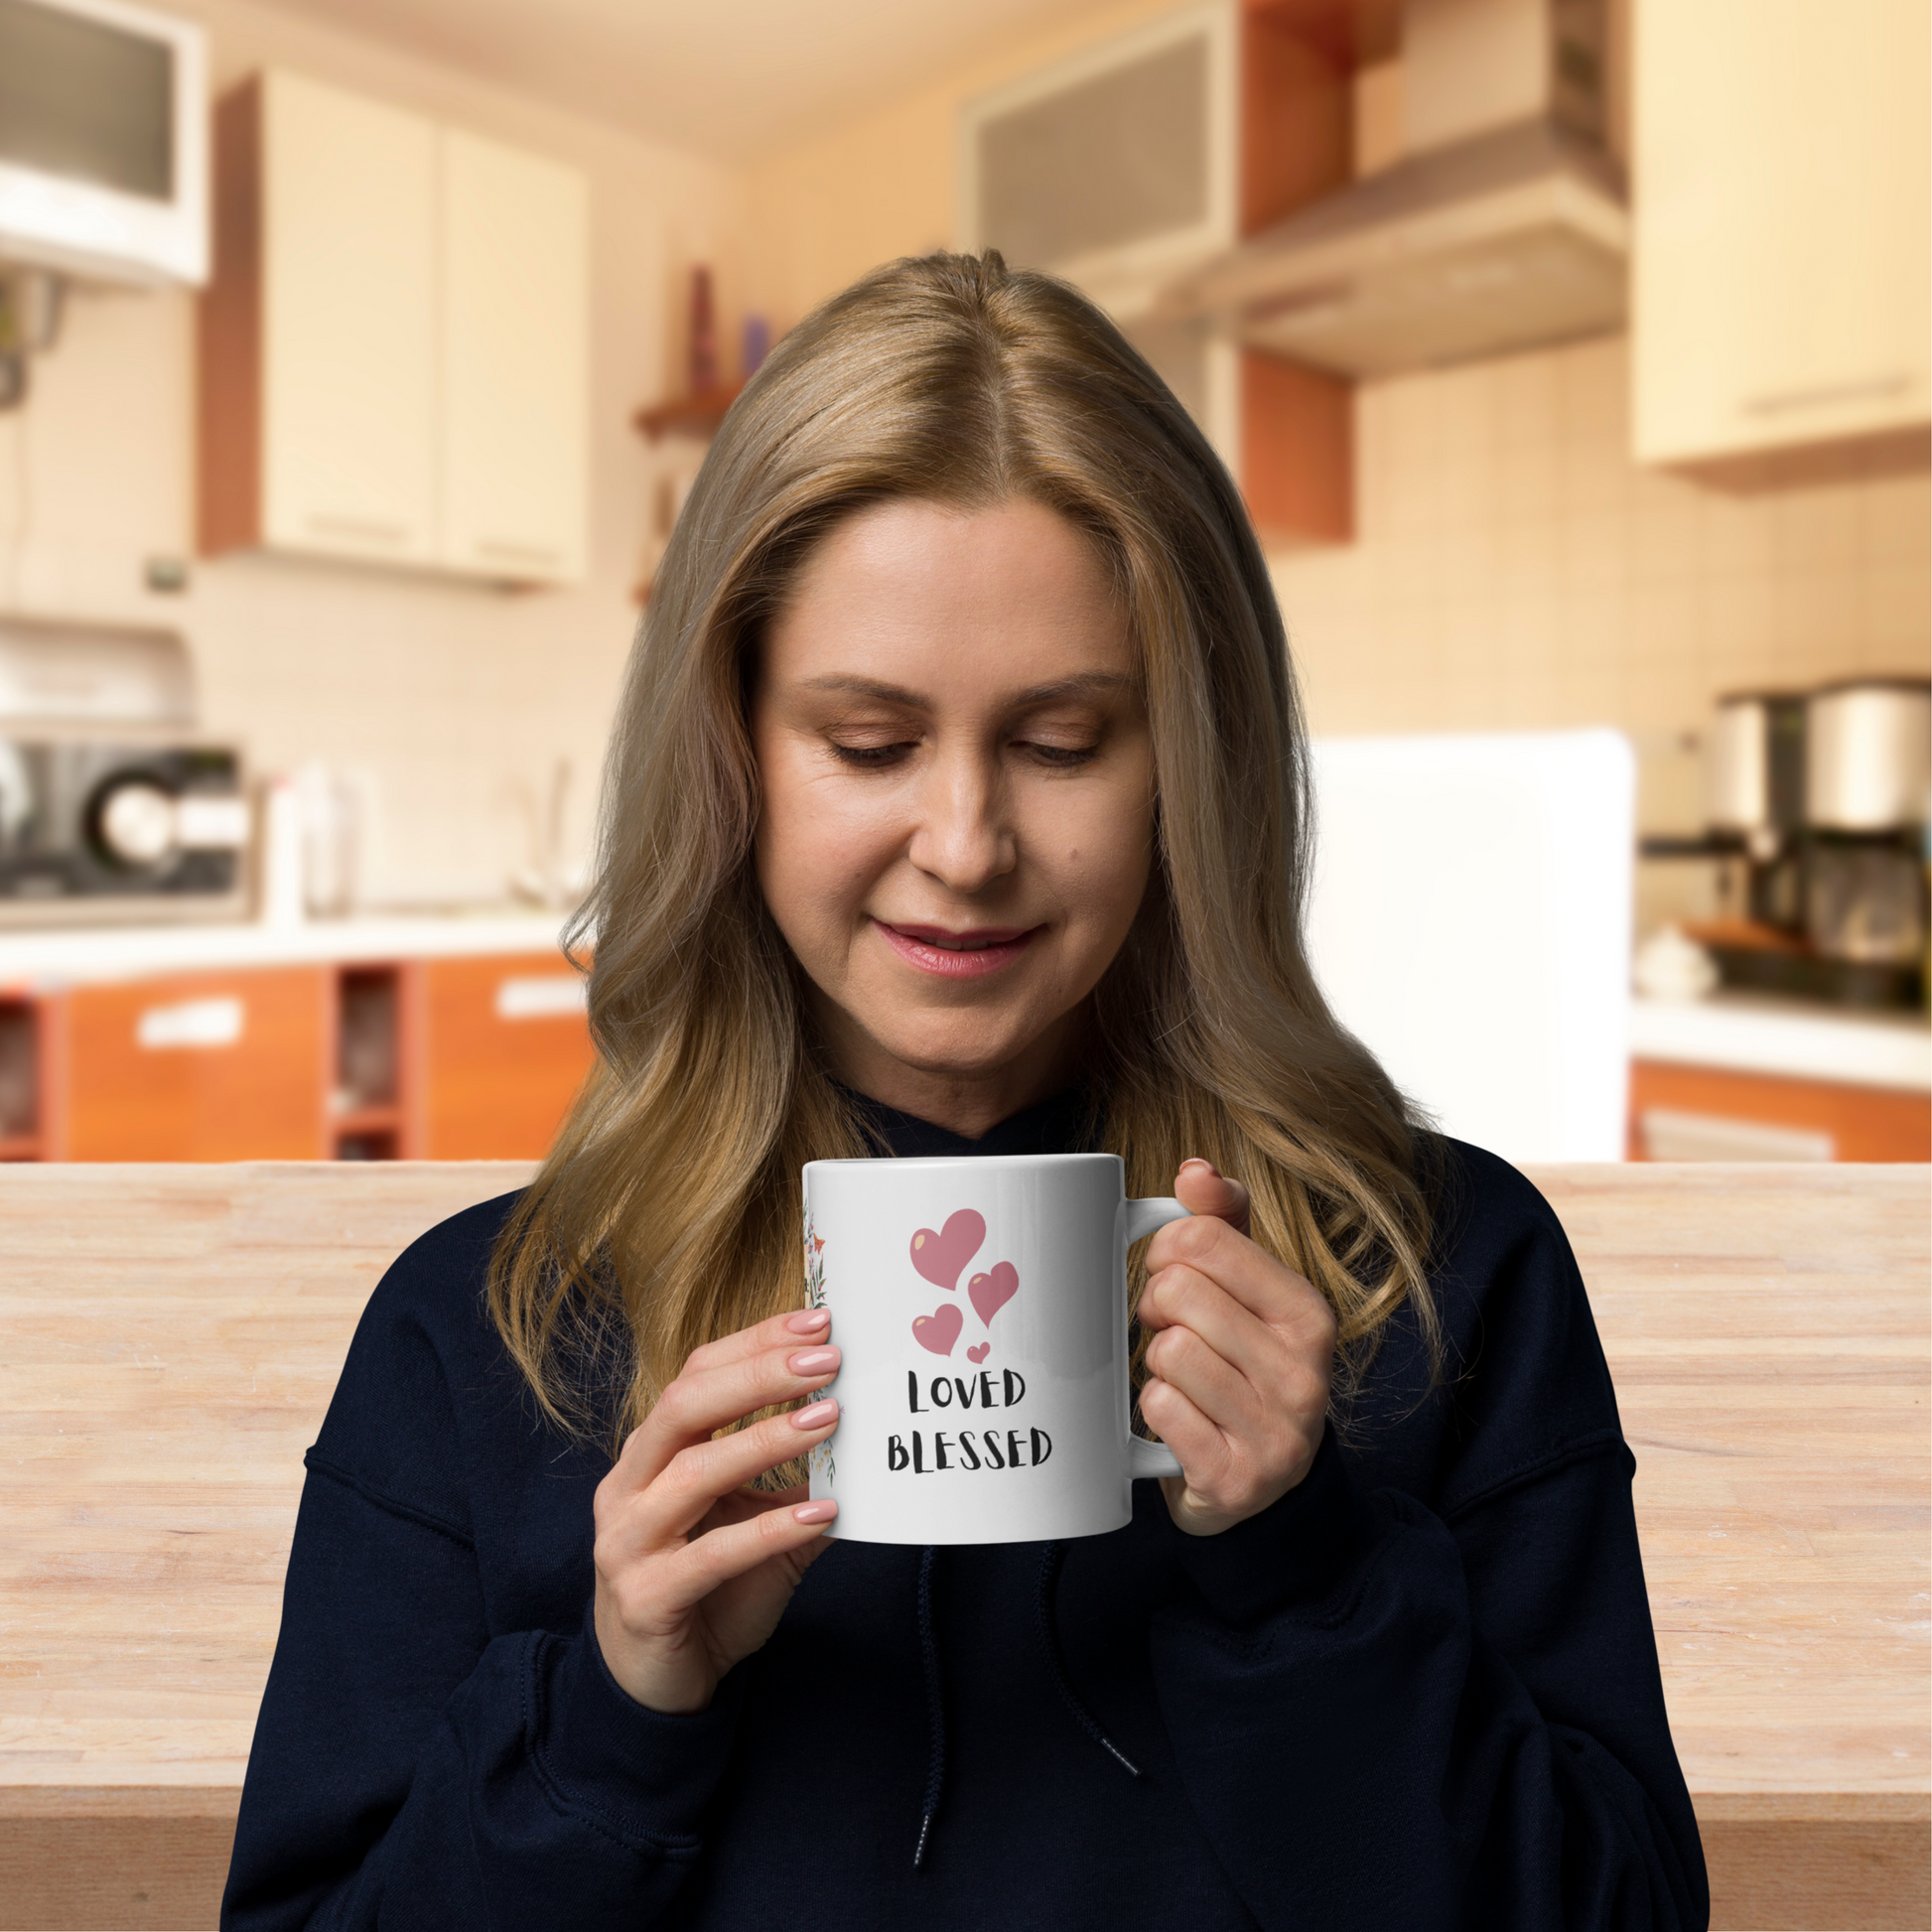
(1081, 685)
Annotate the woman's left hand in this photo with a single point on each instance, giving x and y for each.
(1240, 1360)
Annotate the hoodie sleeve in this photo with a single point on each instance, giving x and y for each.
(409, 1772)
(419, 1763)
(1457, 1701)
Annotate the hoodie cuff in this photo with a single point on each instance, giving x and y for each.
(650, 1773)
(1296, 1551)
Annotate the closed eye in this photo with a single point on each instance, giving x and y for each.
(1064, 757)
(868, 758)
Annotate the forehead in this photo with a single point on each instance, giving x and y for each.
(909, 589)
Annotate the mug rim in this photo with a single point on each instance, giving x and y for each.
(978, 1162)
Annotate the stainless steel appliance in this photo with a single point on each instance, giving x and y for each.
(1868, 776)
(1754, 793)
(1869, 754)
(1824, 798)
(109, 807)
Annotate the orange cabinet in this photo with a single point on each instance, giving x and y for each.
(202, 1067)
(501, 1047)
(1705, 1112)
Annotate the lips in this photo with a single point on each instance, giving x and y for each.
(970, 954)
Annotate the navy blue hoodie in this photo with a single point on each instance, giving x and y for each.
(1420, 1691)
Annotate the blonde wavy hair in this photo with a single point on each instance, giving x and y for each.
(667, 1214)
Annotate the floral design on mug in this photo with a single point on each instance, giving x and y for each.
(819, 1460)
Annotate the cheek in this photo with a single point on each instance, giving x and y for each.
(1104, 856)
(816, 854)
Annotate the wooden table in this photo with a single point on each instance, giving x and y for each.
(168, 1337)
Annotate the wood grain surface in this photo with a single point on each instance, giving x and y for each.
(171, 1335)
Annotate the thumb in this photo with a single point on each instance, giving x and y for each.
(1202, 1190)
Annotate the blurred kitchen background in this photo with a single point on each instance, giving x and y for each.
(355, 356)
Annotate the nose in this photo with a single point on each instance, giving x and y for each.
(964, 836)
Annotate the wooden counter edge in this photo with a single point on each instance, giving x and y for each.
(28, 1802)
(114, 1858)
(31, 1801)
(1813, 1807)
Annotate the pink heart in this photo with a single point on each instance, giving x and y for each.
(939, 1330)
(980, 1353)
(940, 1257)
(991, 1293)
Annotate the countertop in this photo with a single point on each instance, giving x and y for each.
(174, 1333)
(72, 956)
(1760, 1034)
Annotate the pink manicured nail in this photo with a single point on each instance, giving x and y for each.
(819, 1512)
(1195, 1160)
(813, 1361)
(815, 1415)
(807, 1319)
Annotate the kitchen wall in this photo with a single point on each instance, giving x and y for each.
(1514, 569)
(450, 698)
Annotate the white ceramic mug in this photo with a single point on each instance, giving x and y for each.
(980, 1311)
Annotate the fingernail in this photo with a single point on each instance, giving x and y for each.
(821, 1511)
(813, 1361)
(807, 1319)
(816, 1416)
(1195, 1160)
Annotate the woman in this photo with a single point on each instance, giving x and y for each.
(958, 804)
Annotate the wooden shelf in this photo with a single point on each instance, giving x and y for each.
(697, 414)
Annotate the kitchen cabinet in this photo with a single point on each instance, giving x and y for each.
(365, 1041)
(504, 1047)
(1130, 163)
(319, 334)
(513, 359)
(196, 1066)
(1679, 1112)
(1780, 251)
(393, 347)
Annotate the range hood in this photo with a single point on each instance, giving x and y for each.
(1502, 227)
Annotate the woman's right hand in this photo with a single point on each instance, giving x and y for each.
(694, 1568)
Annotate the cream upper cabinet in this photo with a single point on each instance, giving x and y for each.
(348, 325)
(393, 346)
(514, 249)
(1781, 228)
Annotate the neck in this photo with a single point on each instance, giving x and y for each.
(969, 1102)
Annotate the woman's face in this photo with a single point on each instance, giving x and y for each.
(958, 799)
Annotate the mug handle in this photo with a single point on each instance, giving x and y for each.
(1145, 1459)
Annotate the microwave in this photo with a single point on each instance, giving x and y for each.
(104, 141)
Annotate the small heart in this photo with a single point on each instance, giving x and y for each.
(939, 1330)
(980, 1353)
(940, 1257)
(991, 1293)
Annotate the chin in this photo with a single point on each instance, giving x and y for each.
(933, 1047)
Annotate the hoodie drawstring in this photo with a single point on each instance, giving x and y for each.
(1050, 1642)
(936, 1708)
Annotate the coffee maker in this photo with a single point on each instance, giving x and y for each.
(1754, 799)
(1822, 798)
(1867, 771)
